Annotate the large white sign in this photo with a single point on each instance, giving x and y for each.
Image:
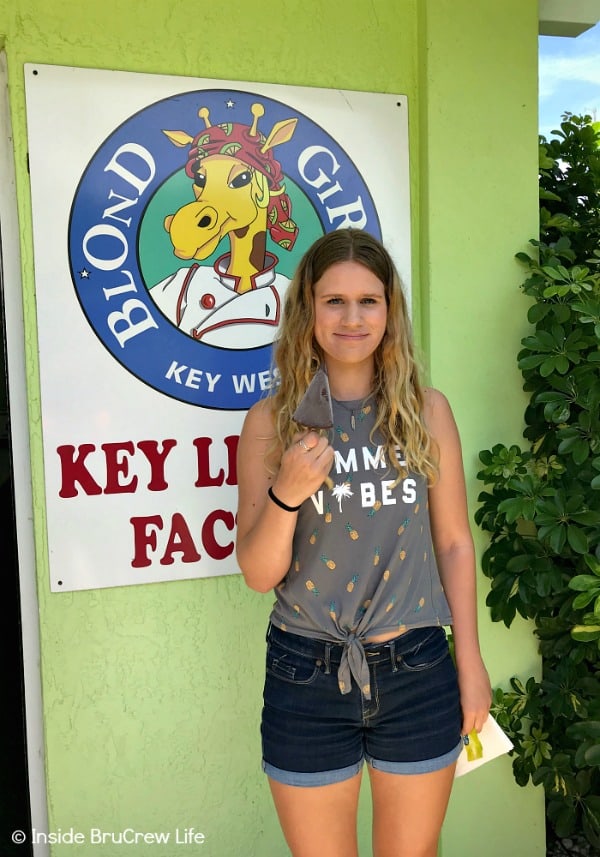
(169, 215)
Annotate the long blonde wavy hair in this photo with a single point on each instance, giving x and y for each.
(397, 390)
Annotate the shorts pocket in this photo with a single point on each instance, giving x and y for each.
(290, 666)
(428, 653)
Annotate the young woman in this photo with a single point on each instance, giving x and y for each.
(365, 573)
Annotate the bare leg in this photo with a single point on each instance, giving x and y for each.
(319, 821)
(408, 811)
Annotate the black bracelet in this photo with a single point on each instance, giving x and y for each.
(280, 503)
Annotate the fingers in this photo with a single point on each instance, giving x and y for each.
(474, 716)
(305, 464)
(476, 713)
(474, 722)
(316, 452)
(308, 440)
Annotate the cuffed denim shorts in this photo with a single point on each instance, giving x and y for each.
(313, 735)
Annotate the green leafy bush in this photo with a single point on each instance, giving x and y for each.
(541, 505)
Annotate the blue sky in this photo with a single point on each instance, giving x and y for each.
(569, 77)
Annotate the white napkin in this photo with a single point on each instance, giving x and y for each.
(494, 742)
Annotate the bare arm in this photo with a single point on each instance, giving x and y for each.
(455, 555)
(264, 530)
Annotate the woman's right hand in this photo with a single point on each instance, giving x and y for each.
(265, 532)
(304, 467)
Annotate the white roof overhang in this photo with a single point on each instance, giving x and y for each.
(567, 17)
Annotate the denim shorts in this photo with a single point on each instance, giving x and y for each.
(314, 735)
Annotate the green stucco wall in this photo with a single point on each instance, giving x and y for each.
(151, 694)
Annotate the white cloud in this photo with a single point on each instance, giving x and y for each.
(554, 71)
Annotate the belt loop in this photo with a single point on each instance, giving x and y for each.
(393, 656)
(327, 658)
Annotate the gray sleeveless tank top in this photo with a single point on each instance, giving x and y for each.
(363, 561)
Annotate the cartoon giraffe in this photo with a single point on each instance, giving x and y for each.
(239, 193)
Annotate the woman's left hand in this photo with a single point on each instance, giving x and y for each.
(475, 694)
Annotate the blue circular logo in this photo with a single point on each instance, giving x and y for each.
(186, 229)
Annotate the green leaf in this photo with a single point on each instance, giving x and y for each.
(591, 805)
(548, 366)
(583, 582)
(593, 564)
(523, 257)
(585, 633)
(583, 599)
(565, 820)
(581, 451)
(557, 538)
(561, 221)
(592, 755)
(587, 516)
(531, 362)
(552, 273)
(538, 311)
(584, 729)
(512, 508)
